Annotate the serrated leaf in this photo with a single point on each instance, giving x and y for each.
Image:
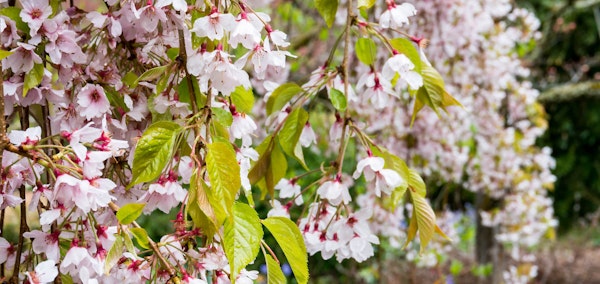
(366, 51)
(5, 53)
(289, 135)
(152, 74)
(224, 173)
(114, 254)
(365, 4)
(153, 151)
(141, 237)
(274, 273)
(290, 240)
(242, 236)
(243, 99)
(282, 95)
(416, 184)
(425, 220)
(407, 48)
(338, 100)
(130, 212)
(432, 93)
(33, 78)
(223, 116)
(200, 209)
(327, 9)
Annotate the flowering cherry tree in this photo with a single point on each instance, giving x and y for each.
(137, 107)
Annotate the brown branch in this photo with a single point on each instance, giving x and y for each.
(155, 249)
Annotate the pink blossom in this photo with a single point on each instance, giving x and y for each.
(34, 13)
(214, 25)
(396, 15)
(45, 272)
(92, 101)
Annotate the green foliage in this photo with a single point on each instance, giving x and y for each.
(114, 253)
(33, 78)
(242, 237)
(199, 207)
(289, 135)
(141, 237)
(407, 48)
(366, 51)
(154, 150)
(432, 93)
(290, 240)
(574, 140)
(129, 212)
(274, 273)
(243, 99)
(224, 173)
(282, 95)
(327, 9)
(338, 100)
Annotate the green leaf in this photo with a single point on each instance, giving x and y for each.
(129, 79)
(281, 96)
(222, 116)
(432, 93)
(289, 135)
(407, 48)
(290, 240)
(338, 100)
(366, 51)
(128, 242)
(200, 209)
(154, 150)
(114, 254)
(393, 162)
(224, 173)
(14, 14)
(129, 212)
(416, 184)
(33, 78)
(366, 4)
(276, 171)
(4, 53)
(243, 99)
(141, 237)
(172, 53)
(274, 273)
(425, 220)
(327, 9)
(242, 236)
(152, 74)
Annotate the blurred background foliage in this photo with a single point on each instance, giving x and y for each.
(565, 65)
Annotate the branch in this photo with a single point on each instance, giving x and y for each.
(570, 91)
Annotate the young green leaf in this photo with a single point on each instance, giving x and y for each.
(224, 173)
(276, 171)
(128, 242)
(365, 4)
(222, 116)
(114, 254)
(282, 95)
(290, 240)
(327, 9)
(14, 14)
(416, 183)
(425, 220)
(243, 99)
(338, 100)
(129, 212)
(152, 74)
(366, 51)
(200, 209)
(154, 150)
(290, 134)
(242, 236)
(274, 273)
(432, 93)
(33, 78)
(141, 237)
